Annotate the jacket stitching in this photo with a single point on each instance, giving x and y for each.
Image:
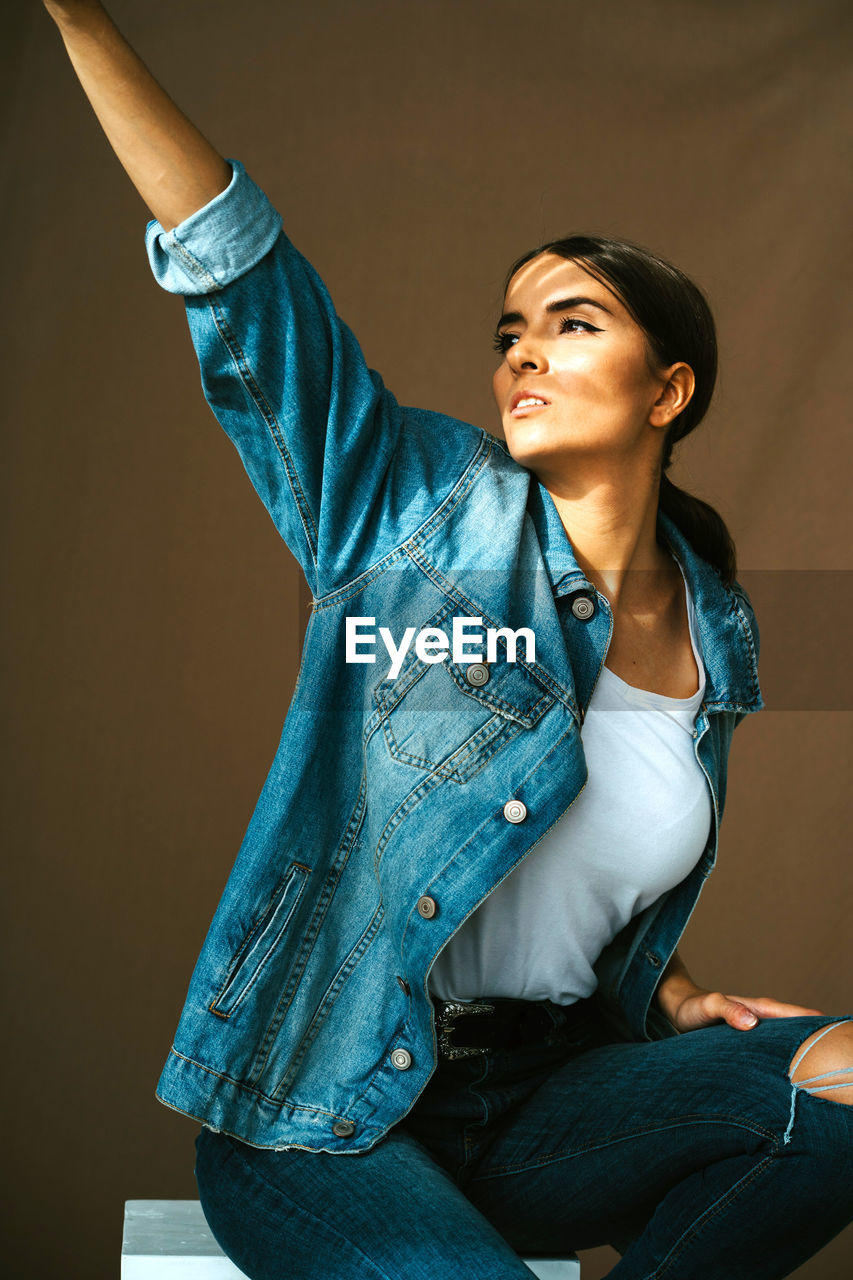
(349, 592)
(405, 930)
(388, 698)
(411, 801)
(265, 918)
(235, 350)
(475, 835)
(459, 491)
(247, 1088)
(451, 589)
(230, 1133)
(333, 990)
(480, 741)
(309, 940)
(194, 267)
(387, 704)
(505, 734)
(446, 510)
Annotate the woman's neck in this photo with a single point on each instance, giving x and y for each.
(611, 521)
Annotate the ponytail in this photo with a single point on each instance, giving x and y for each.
(702, 526)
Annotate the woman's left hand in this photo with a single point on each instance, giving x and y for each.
(689, 1006)
(702, 1008)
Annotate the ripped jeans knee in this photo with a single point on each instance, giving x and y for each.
(833, 1061)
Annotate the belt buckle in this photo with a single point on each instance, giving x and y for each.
(445, 1018)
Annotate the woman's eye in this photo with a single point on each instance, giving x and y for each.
(569, 324)
(585, 327)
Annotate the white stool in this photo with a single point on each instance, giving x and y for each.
(170, 1240)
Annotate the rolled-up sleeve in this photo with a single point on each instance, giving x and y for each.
(216, 244)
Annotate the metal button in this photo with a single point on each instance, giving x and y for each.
(404, 986)
(515, 811)
(477, 674)
(401, 1059)
(427, 907)
(343, 1128)
(583, 608)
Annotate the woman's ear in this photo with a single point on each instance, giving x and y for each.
(677, 387)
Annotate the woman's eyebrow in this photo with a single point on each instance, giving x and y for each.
(561, 304)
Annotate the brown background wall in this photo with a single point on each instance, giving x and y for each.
(414, 150)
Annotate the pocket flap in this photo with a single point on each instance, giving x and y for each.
(507, 685)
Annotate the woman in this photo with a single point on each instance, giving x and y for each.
(434, 1024)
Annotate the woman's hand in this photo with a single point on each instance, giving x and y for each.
(689, 1006)
(703, 1008)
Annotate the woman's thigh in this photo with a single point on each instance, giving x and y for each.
(391, 1211)
(588, 1158)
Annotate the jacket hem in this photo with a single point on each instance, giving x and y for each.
(226, 1106)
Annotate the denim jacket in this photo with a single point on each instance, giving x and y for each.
(382, 823)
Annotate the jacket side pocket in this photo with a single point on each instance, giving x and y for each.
(260, 943)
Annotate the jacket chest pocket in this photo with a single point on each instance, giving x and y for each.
(252, 959)
(452, 717)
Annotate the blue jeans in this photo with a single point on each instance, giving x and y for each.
(694, 1156)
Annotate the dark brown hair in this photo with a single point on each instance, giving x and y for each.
(675, 317)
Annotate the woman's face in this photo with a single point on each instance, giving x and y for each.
(569, 341)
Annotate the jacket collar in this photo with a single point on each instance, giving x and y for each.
(724, 621)
(516, 580)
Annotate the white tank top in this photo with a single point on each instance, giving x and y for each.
(637, 829)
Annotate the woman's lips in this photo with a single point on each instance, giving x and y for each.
(523, 410)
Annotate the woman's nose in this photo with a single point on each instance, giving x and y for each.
(526, 354)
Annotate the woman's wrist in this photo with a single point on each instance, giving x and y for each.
(674, 988)
(671, 993)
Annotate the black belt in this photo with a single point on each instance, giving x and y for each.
(494, 1022)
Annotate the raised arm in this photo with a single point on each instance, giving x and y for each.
(172, 165)
(344, 472)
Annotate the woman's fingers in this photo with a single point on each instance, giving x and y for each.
(735, 1012)
(766, 1007)
(704, 1008)
(742, 1012)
